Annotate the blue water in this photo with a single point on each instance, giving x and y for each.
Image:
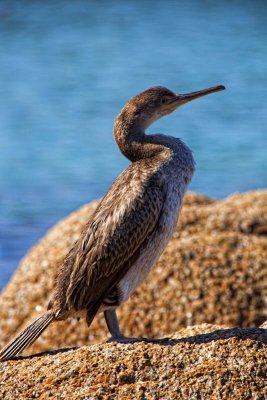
(67, 68)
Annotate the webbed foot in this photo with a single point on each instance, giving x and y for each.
(124, 339)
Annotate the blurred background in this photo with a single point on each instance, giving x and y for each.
(68, 67)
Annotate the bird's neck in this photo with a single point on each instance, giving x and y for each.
(130, 136)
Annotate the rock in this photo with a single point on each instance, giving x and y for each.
(214, 270)
(241, 212)
(202, 362)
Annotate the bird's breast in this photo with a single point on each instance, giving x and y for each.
(154, 246)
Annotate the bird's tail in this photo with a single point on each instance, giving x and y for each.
(27, 337)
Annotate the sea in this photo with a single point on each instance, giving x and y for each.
(68, 67)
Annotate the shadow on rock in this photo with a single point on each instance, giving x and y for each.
(254, 334)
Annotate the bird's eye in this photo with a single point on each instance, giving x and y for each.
(164, 100)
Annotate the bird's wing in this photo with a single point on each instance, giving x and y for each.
(110, 243)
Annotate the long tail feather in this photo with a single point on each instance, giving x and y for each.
(27, 337)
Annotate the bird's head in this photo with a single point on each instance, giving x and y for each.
(158, 101)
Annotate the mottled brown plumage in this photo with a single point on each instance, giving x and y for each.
(132, 224)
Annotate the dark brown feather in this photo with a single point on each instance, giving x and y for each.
(111, 240)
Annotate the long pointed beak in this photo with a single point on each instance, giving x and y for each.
(181, 99)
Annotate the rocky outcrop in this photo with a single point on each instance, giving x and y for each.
(214, 270)
(202, 362)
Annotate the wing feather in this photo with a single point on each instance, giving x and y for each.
(110, 243)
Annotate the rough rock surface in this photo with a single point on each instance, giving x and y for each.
(214, 270)
(203, 362)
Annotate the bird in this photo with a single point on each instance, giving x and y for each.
(132, 224)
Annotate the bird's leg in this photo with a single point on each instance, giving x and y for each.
(113, 324)
(114, 329)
